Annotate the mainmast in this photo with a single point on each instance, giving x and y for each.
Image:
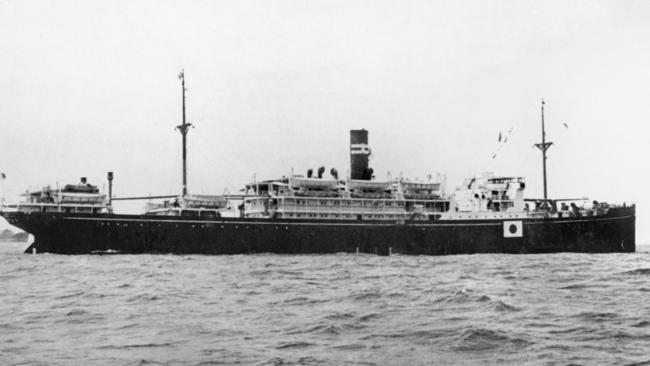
(544, 146)
(183, 130)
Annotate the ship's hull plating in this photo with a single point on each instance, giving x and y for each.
(81, 234)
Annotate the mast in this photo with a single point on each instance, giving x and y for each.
(183, 130)
(544, 146)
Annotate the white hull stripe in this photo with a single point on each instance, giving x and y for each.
(320, 223)
(359, 149)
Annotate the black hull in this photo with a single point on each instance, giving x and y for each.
(84, 234)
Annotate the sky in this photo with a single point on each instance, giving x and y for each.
(91, 86)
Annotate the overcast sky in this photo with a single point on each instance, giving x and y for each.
(91, 86)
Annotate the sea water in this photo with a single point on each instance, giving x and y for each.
(344, 309)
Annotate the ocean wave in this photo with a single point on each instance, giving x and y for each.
(639, 363)
(285, 345)
(366, 295)
(289, 273)
(339, 316)
(324, 329)
(642, 324)
(596, 316)
(136, 345)
(369, 317)
(572, 330)
(578, 286)
(300, 300)
(638, 272)
(147, 363)
(417, 336)
(260, 272)
(459, 296)
(350, 347)
(502, 306)
(77, 312)
(483, 339)
(279, 361)
(70, 295)
(557, 346)
(615, 335)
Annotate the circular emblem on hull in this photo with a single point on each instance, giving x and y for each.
(513, 229)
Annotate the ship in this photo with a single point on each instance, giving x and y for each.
(321, 212)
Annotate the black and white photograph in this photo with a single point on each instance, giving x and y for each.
(324, 182)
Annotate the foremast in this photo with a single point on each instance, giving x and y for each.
(183, 128)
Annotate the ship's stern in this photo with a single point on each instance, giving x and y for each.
(17, 219)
